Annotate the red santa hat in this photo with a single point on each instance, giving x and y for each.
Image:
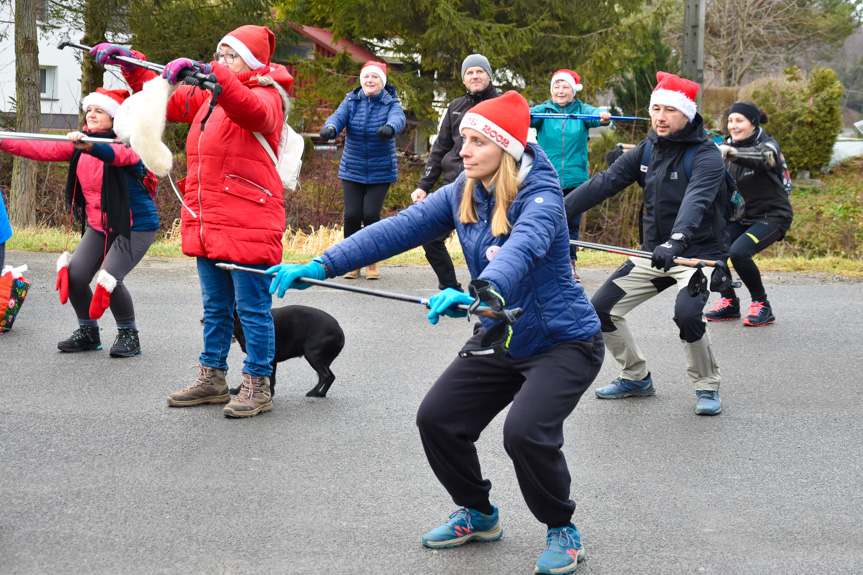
(503, 120)
(108, 100)
(675, 92)
(254, 44)
(568, 76)
(378, 68)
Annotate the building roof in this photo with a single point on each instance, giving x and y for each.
(324, 40)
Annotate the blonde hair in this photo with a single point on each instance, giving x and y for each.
(504, 185)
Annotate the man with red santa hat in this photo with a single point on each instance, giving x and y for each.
(682, 173)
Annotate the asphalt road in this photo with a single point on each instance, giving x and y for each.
(100, 476)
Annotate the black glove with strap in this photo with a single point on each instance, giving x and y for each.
(664, 254)
(328, 133)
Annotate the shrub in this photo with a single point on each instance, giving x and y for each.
(805, 114)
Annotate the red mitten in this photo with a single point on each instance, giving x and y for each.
(105, 284)
(63, 276)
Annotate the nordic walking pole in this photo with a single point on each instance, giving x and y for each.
(56, 138)
(206, 81)
(551, 116)
(691, 262)
(508, 316)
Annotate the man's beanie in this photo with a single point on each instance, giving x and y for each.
(108, 100)
(503, 120)
(568, 76)
(475, 60)
(254, 44)
(675, 92)
(378, 68)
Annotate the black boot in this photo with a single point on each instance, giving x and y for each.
(85, 338)
(126, 344)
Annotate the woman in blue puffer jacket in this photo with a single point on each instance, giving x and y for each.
(371, 116)
(507, 208)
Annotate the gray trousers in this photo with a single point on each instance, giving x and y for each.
(634, 283)
(121, 256)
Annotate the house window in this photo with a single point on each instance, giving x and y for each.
(47, 76)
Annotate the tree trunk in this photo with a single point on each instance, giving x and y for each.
(22, 209)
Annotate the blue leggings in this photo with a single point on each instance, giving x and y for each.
(746, 241)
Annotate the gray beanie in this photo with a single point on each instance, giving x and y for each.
(475, 60)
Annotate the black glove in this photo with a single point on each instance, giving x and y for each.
(484, 291)
(328, 133)
(664, 254)
(386, 131)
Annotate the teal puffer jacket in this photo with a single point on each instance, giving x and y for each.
(565, 141)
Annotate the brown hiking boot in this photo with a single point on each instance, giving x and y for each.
(372, 272)
(210, 387)
(352, 275)
(253, 398)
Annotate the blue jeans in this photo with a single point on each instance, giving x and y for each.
(221, 291)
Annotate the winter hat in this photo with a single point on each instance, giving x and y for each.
(568, 76)
(504, 120)
(751, 113)
(378, 68)
(108, 100)
(254, 44)
(475, 60)
(676, 92)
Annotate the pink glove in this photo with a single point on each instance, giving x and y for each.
(102, 296)
(106, 53)
(63, 276)
(172, 69)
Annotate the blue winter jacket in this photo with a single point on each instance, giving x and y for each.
(5, 226)
(368, 159)
(565, 141)
(530, 265)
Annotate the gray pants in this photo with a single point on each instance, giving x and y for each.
(122, 255)
(634, 283)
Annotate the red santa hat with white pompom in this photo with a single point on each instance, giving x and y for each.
(675, 92)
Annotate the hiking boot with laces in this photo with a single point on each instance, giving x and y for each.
(759, 314)
(352, 275)
(465, 525)
(85, 338)
(126, 344)
(210, 387)
(563, 551)
(708, 402)
(253, 398)
(725, 309)
(620, 388)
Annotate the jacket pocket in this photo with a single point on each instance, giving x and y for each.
(246, 189)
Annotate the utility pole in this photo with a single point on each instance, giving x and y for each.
(693, 43)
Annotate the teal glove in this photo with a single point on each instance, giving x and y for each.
(442, 303)
(287, 275)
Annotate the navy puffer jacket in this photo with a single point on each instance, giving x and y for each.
(367, 158)
(530, 265)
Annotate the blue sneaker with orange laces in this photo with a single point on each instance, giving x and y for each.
(760, 314)
(464, 525)
(563, 551)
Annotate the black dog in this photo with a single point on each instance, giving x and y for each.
(302, 331)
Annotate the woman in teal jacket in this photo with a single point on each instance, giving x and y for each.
(565, 141)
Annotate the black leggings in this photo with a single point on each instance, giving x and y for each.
(122, 256)
(2, 255)
(363, 204)
(746, 241)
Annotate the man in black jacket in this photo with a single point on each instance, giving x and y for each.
(445, 159)
(682, 218)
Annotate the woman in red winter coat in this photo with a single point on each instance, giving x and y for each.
(105, 186)
(236, 211)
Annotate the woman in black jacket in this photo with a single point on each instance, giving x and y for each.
(753, 158)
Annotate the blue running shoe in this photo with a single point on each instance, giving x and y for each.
(563, 551)
(708, 402)
(620, 388)
(464, 525)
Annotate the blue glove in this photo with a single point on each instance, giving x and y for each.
(173, 69)
(442, 303)
(664, 254)
(287, 274)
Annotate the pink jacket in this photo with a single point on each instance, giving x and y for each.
(89, 168)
